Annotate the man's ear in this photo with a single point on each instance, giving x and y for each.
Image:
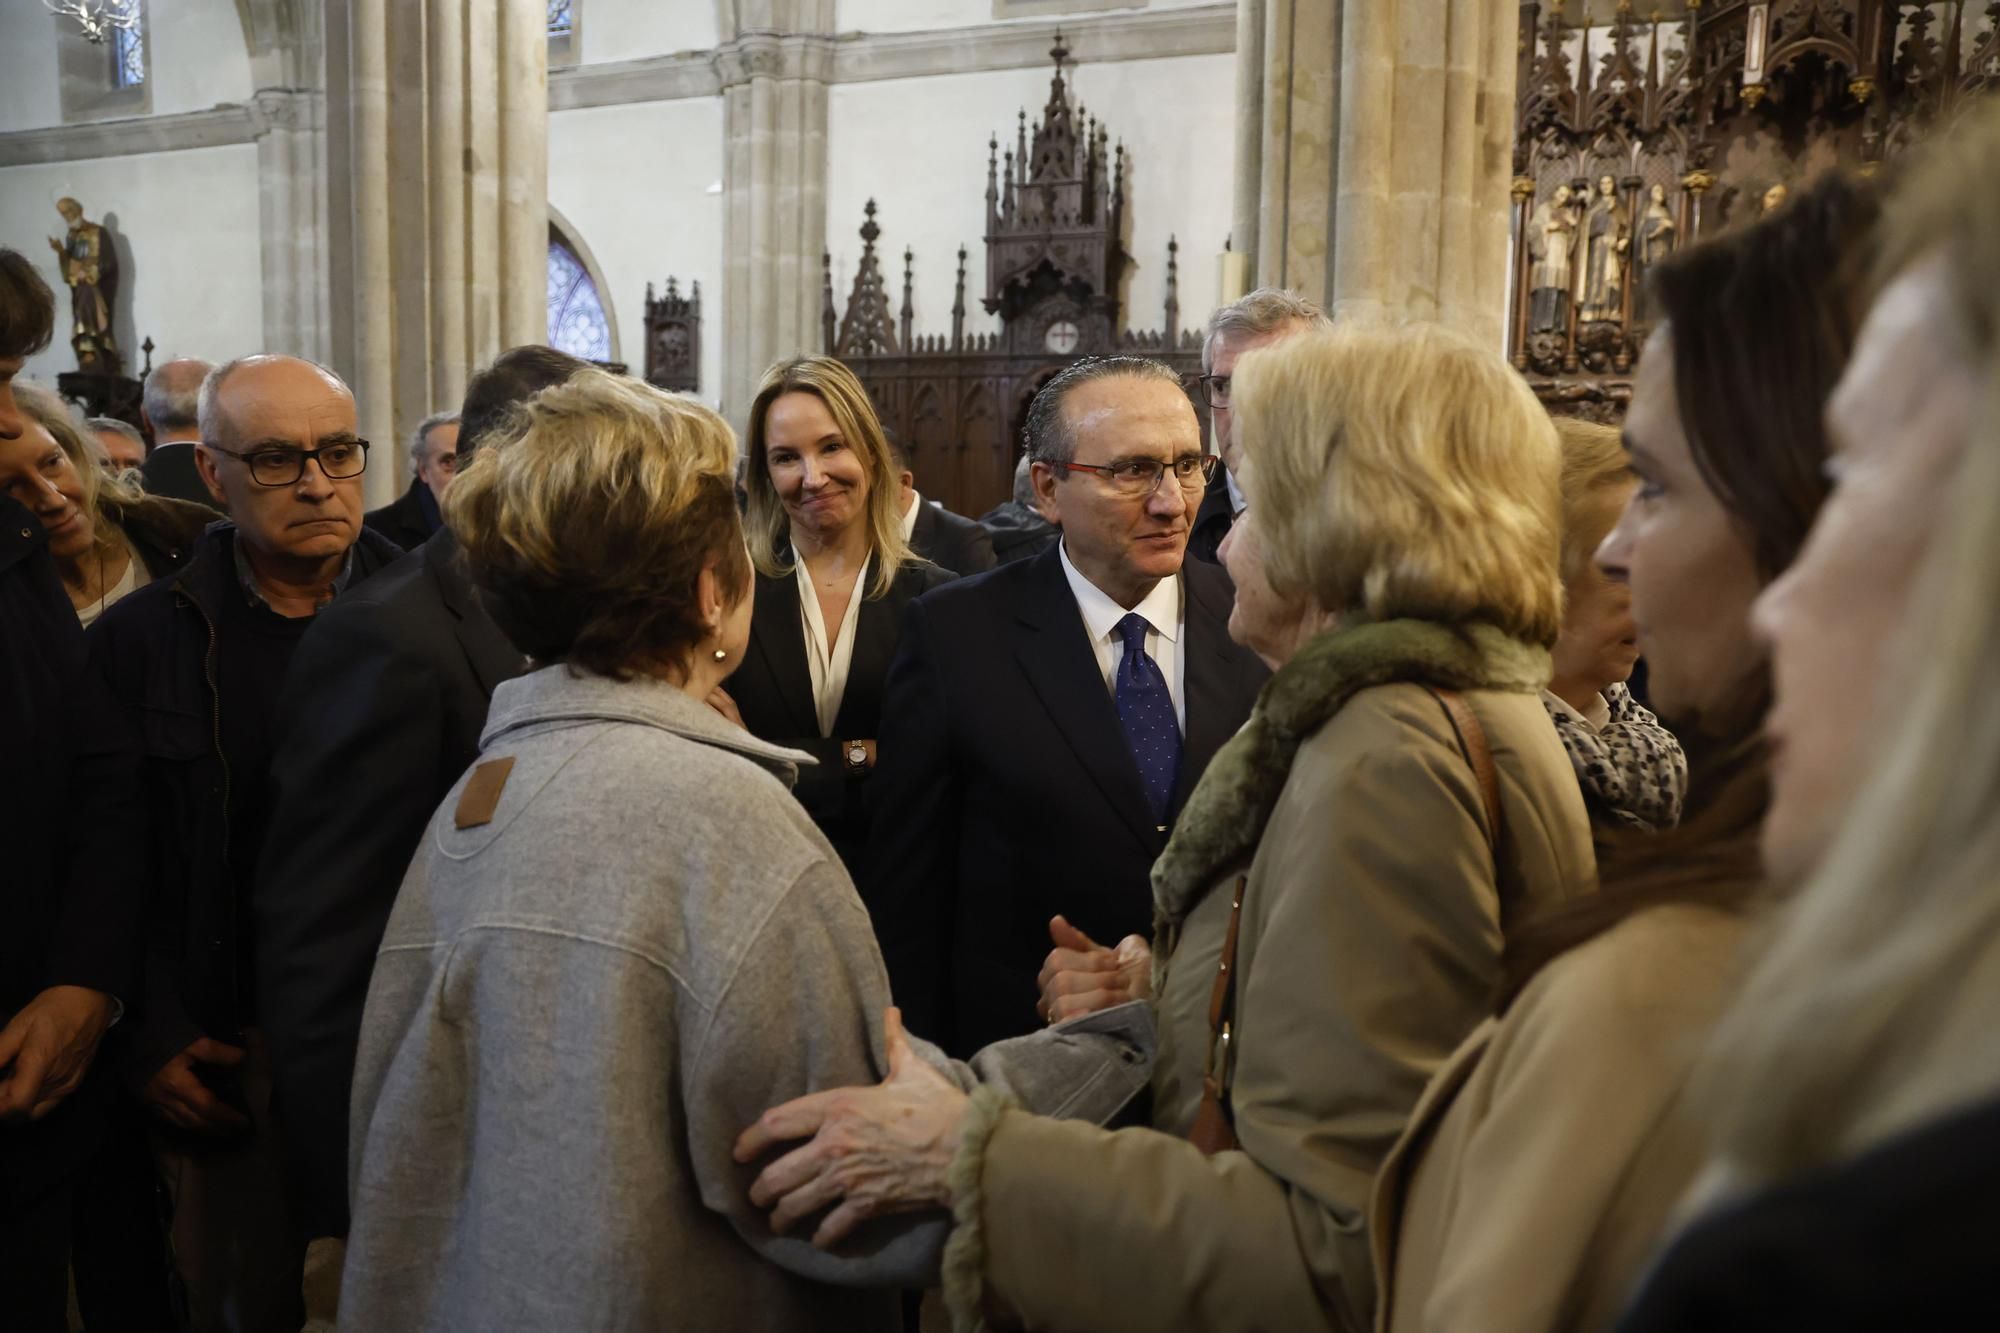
(1044, 478)
(211, 473)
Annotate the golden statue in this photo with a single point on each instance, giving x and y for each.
(1605, 238)
(1774, 199)
(1551, 238)
(90, 267)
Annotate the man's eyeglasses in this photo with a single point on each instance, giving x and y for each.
(1136, 477)
(1214, 389)
(286, 467)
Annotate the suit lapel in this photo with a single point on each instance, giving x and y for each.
(875, 627)
(1209, 680)
(780, 641)
(1055, 652)
(923, 534)
(493, 659)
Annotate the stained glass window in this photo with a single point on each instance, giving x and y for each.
(576, 312)
(128, 55)
(561, 21)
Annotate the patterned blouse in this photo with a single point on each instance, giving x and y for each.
(1631, 768)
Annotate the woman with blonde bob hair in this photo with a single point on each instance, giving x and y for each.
(108, 537)
(1854, 1083)
(1398, 794)
(834, 573)
(620, 935)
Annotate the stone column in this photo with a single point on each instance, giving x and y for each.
(440, 226)
(1387, 132)
(286, 43)
(774, 187)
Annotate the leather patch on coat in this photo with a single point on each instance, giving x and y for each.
(481, 796)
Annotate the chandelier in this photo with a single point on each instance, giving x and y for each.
(97, 18)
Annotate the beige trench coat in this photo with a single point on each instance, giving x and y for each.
(1538, 1171)
(1369, 946)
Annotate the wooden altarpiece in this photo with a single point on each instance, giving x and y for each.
(1056, 219)
(673, 338)
(1634, 136)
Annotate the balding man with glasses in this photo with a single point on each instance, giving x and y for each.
(197, 661)
(1045, 722)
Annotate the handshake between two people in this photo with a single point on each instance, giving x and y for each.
(875, 1151)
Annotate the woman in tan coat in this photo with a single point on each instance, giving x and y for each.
(1542, 1163)
(1396, 806)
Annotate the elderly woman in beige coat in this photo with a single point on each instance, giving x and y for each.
(621, 937)
(1396, 805)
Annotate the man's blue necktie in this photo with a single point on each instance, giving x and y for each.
(1146, 710)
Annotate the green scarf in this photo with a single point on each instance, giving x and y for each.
(1224, 819)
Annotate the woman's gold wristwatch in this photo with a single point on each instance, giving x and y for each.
(856, 754)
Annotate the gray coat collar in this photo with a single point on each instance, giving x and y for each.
(555, 694)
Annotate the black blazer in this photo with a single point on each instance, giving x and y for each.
(170, 471)
(1212, 521)
(406, 521)
(1902, 1236)
(382, 712)
(951, 542)
(1007, 794)
(773, 693)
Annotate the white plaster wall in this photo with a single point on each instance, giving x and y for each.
(635, 181)
(191, 264)
(923, 15)
(197, 59)
(632, 29)
(1175, 116)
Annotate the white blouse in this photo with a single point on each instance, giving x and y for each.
(133, 579)
(828, 660)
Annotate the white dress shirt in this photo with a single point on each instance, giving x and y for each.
(1237, 502)
(1166, 635)
(828, 659)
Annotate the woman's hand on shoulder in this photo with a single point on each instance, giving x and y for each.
(1081, 976)
(871, 1151)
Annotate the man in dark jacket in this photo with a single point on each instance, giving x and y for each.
(383, 713)
(1017, 526)
(1045, 722)
(170, 407)
(414, 519)
(949, 541)
(197, 661)
(71, 897)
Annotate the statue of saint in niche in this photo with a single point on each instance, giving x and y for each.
(1774, 199)
(1655, 242)
(1551, 239)
(90, 268)
(1605, 239)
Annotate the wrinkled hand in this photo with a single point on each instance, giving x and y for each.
(719, 700)
(1081, 976)
(47, 1048)
(178, 1095)
(874, 1151)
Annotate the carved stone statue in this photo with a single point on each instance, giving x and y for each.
(1774, 199)
(90, 267)
(1605, 239)
(1551, 240)
(1655, 242)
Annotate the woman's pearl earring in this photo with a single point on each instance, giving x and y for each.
(721, 654)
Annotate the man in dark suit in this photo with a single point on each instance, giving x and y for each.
(414, 519)
(1045, 722)
(386, 699)
(1016, 524)
(1265, 316)
(170, 407)
(949, 541)
(74, 884)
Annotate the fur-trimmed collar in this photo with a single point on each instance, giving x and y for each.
(1219, 829)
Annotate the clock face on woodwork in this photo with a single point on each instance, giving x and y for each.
(1061, 338)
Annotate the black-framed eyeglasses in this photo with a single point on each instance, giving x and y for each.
(1141, 476)
(272, 466)
(1214, 389)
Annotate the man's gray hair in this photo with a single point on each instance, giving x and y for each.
(209, 412)
(1045, 436)
(117, 427)
(1024, 483)
(1262, 312)
(420, 438)
(171, 399)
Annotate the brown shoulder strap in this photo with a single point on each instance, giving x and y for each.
(1212, 1132)
(1472, 743)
